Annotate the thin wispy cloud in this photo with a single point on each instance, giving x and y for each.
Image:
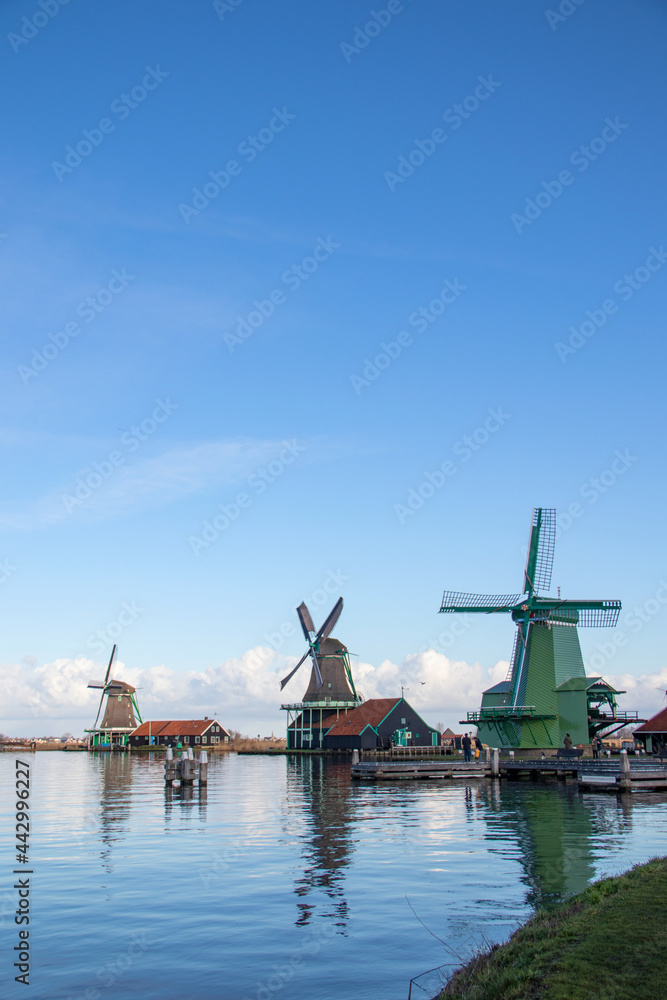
(154, 482)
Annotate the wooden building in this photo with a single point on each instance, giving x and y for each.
(376, 723)
(191, 732)
(653, 734)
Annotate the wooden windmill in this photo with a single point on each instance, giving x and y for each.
(120, 714)
(331, 685)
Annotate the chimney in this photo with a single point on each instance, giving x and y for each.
(206, 718)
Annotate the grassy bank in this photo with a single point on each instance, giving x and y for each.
(608, 943)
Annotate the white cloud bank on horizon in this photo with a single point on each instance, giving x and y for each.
(245, 693)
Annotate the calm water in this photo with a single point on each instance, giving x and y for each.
(286, 880)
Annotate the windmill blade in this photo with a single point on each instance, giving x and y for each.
(587, 614)
(306, 621)
(541, 544)
(113, 653)
(327, 628)
(95, 684)
(99, 709)
(453, 600)
(316, 667)
(291, 674)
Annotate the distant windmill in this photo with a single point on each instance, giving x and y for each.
(330, 688)
(546, 651)
(119, 714)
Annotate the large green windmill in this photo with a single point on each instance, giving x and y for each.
(546, 693)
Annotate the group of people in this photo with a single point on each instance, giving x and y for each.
(467, 744)
(596, 744)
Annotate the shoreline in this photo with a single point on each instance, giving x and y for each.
(607, 943)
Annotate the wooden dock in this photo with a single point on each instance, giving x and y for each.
(621, 774)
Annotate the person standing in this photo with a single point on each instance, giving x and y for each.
(597, 747)
(567, 742)
(478, 748)
(466, 743)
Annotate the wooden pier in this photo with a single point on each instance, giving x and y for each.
(616, 775)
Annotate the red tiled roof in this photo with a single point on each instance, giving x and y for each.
(188, 727)
(370, 713)
(658, 724)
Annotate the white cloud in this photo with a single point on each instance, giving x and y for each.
(245, 692)
(645, 693)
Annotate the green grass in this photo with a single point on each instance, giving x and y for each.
(608, 943)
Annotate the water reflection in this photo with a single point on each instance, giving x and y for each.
(115, 776)
(324, 789)
(557, 831)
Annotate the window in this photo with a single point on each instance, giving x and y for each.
(197, 739)
(186, 739)
(402, 722)
(226, 739)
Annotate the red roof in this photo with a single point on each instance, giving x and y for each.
(370, 713)
(658, 724)
(189, 727)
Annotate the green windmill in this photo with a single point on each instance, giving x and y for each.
(546, 693)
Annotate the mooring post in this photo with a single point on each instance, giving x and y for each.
(487, 755)
(355, 756)
(186, 770)
(625, 780)
(169, 767)
(495, 763)
(203, 767)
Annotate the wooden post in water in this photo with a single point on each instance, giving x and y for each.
(625, 780)
(186, 770)
(355, 756)
(169, 767)
(495, 763)
(203, 767)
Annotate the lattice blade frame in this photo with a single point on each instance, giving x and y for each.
(604, 617)
(454, 600)
(541, 545)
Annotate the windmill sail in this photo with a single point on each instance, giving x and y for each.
(541, 545)
(453, 600)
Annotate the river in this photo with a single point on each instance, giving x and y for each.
(284, 879)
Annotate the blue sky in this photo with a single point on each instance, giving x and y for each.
(540, 201)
